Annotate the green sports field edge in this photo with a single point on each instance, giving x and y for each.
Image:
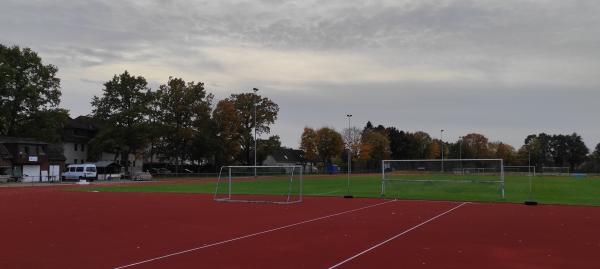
(563, 190)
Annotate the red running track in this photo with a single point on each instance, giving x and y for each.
(54, 228)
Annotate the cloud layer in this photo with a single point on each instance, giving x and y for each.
(503, 68)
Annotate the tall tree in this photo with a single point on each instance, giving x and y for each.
(29, 91)
(267, 147)
(503, 151)
(228, 132)
(376, 147)
(308, 144)
(124, 107)
(596, 153)
(577, 151)
(330, 144)
(45, 125)
(266, 114)
(475, 146)
(423, 142)
(352, 138)
(433, 150)
(185, 108)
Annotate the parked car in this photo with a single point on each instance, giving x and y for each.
(139, 176)
(160, 171)
(85, 171)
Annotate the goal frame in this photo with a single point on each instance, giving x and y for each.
(531, 169)
(500, 161)
(229, 181)
(568, 173)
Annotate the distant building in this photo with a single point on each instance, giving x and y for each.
(289, 157)
(30, 160)
(77, 134)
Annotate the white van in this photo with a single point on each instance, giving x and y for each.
(86, 171)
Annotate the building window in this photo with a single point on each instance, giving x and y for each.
(82, 147)
(75, 146)
(75, 161)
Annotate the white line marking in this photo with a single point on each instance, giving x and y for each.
(252, 235)
(398, 235)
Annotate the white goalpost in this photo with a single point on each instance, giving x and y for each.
(522, 170)
(476, 175)
(555, 171)
(259, 184)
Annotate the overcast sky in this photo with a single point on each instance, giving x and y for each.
(503, 68)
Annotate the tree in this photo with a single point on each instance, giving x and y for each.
(184, 113)
(399, 143)
(123, 108)
(308, 144)
(538, 146)
(266, 114)
(29, 92)
(352, 138)
(556, 150)
(596, 153)
(503, 151)
(227, 125)
(423, 141)
(267, 147)
(376, 147)
(434, 149)
(45, 125)
(576, 151)
(475, 146)
(330, 144)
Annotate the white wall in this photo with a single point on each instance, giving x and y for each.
(71, 154)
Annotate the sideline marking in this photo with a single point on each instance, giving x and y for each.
(398, 235)
(252, 235)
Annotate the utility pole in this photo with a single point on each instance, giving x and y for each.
(348, 195)
(442, 142)
(255, 90)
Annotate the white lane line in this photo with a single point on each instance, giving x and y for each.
(398, 235)
(251, 235)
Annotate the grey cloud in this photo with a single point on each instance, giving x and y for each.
(535, 62)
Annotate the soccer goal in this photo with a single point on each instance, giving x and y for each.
(259, 184)
(465, 177)
(555, 171)
(519, 170)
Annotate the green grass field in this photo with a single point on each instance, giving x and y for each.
(546, 190)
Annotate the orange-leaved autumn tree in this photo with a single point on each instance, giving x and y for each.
(375, 146)
(227, 125)
(308, 144)
(243, 112)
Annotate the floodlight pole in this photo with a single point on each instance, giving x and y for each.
(255, 90)
(442, 142)
(348, 195)
(460, 154)
(460, 148)
(530, 200)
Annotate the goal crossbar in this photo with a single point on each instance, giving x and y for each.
(458, 172)
(510, 169)
(286, 180)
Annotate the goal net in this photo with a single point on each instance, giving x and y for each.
(463, 177)
(555, 171)
(260, 184)
(519, 170)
